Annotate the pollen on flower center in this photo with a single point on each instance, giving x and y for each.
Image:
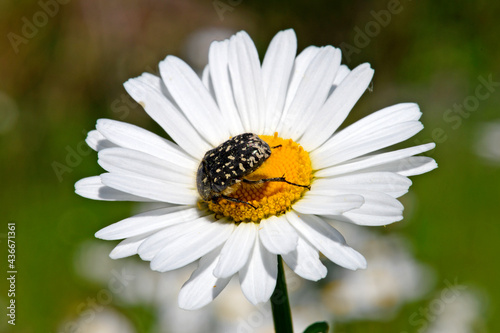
(288, 159)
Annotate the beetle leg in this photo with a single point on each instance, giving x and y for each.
(236, 200)
(276, 179)
(276, 146)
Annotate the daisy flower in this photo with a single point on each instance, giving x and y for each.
(293, 106)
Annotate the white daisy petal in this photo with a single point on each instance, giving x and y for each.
(244, 66)
(300, 66)
(305, 262)
(149, 221)
(311, 93)
(194, 100)
(156, 242)
(379, 130)
(136, 138)
(219, 71)
(337, 107)
(149, 91)
(377, 203)
(202, 287)
(382, 119)
(341, 75)
(97, 141)
(182, 250)
(327, 240)
(276, 72)
(387, 182)
(236, 251)
(128, 247)
(321, 203)
(331, 155)
(379, 209)
(93, 188)
(205, 78)
(365, 162)
(151, 188)
(258, 276)
(123, 160)
(277, 235)
(409, 166)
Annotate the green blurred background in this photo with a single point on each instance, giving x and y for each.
(57, 79)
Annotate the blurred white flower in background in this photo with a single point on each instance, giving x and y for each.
(462, 315)
(140, 286)
(488, 142)
(392, 279)
(107, 320)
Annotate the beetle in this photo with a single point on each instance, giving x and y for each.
(227, 165)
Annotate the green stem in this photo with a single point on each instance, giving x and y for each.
(280, 305)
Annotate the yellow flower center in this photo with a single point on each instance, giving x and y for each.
(290, 160)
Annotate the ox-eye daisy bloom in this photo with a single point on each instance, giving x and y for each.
(295, 105)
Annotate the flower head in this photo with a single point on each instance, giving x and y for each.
(304, 172)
